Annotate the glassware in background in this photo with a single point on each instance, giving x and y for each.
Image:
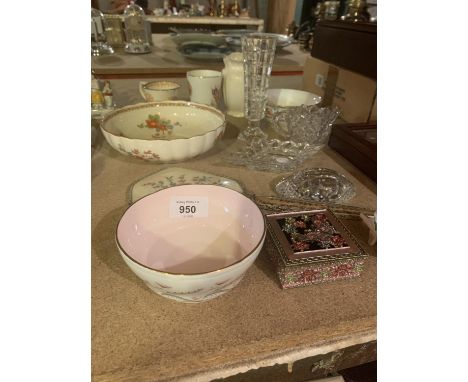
(136, 31)
(99, 45)
(213, 8)
(319, 12)
(258, 50)
(222, 9)
(356, 11)
(234, 11)
(331, 10)
(114, 31)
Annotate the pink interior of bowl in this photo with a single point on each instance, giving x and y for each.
(150, 235)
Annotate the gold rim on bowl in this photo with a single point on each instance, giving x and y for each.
(218, 73)
(177, 86)
(190, 274)
(144, 105)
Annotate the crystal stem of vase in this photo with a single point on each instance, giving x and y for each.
(258, 50)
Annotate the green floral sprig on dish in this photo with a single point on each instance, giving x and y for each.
(161, 125)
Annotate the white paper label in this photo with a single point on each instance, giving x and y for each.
(188, 207)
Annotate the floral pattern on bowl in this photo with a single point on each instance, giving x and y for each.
(161, 126)
(194, 129)
(177, 176)
(145, 155)
(216, 96)
(196, 295)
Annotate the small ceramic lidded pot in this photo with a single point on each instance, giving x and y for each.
(205, 86)
(233, 84)
(158, 90)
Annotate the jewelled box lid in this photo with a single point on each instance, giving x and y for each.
(311, 236)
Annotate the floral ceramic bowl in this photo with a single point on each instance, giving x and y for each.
(163, 131)
(281, 99)
(191, 243)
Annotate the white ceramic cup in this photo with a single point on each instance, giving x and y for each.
(157, 91)
(205, 86)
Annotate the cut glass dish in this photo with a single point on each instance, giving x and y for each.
(271, 155)
(306, 130)
(316, 184)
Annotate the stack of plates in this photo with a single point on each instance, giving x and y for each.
(281, 39)
(202, 46)
(204, 51)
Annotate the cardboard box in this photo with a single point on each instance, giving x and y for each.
(354, 93)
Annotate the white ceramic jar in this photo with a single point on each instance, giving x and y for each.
(233, 84)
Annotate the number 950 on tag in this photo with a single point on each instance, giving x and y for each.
(188, 207)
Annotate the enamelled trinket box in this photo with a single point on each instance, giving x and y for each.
(311, 247)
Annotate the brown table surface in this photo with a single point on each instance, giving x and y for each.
(139, 336)
(165, 60)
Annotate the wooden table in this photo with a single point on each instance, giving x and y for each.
(165, 60)
(257, 328)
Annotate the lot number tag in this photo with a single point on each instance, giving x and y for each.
(188, 207)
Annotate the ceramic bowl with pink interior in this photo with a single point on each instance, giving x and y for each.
(168, 131)
(191, 243)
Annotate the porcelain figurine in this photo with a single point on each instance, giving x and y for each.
(107, 92)
(233, 85)
(97, 98)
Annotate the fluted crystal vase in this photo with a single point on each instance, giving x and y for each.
(258, 50)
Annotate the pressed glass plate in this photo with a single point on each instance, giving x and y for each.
(316, 184)
(176, 176)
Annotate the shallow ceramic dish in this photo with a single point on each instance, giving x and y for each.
(204, 51)
(163, 131)
(191, 256)
(208, 38)
(178, 176)
(280, 99)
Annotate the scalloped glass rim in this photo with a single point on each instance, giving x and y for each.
(274, 155)
(316, 184)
